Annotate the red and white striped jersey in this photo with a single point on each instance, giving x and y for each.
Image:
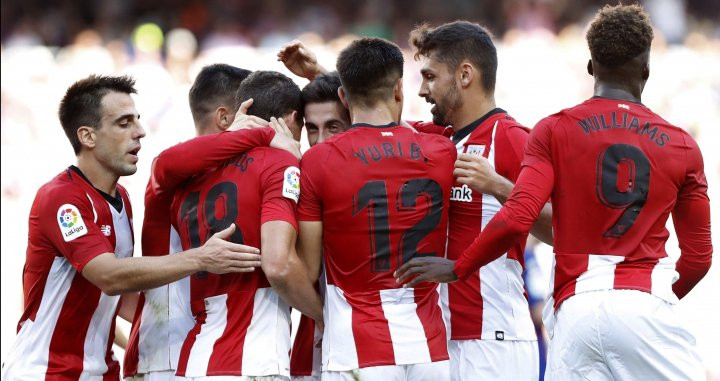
(68, 326)
(382, 194)
(491, 304)
(242, 327)
(163, 316)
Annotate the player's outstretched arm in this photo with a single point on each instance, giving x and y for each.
(300, 60)
(478, 174)
(284, 270)
(115, 276)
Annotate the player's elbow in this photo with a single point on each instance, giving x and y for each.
(110, 285)
(276, 269)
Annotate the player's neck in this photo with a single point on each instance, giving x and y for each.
(617, 91)
(98, 175)
(471, 111)
(377, 115)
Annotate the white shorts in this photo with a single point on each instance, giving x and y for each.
(233, 378)
(620, 335)
(431, 371)
(167, 375)
(494, 360)
(305, 378)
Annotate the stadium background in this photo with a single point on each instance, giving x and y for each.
(47, 45)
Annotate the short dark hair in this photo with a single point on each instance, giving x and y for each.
(454, 42)
(214, 87)
(369, 68)
(273, 94)
(618, 34)
(323, 88)
(82, 103)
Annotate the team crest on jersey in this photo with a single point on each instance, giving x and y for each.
(476, 149)
(291, 183)
(70, 222)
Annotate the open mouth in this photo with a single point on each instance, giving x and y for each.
(134, 151)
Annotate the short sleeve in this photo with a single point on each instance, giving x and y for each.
(510, 144)
(310, 207)
(428, 127)
(280, 187)
(68, 222)
(539, 145)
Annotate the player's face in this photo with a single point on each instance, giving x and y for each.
(440, 89)
(118, 139)
(323, 120)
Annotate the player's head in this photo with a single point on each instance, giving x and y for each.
(325, 114)
(371, 71)
(458, 58)
(619, 39)
(274, 95)
(212, 97)
(101, 122)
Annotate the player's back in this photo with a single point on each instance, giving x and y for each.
(618, 170)
(241, 325)
(382, 193)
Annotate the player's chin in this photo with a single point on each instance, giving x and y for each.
(127, 169)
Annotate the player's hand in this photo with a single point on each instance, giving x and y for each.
(300, 60)
(283, 138)
(477, 173)
(243, 120)
(219, 256)
(426, 269)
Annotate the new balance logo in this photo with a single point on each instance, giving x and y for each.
(623, 105)
(463, 194)
(106, 230)
(384, 133)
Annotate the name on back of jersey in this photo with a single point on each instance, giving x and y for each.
(388, 150)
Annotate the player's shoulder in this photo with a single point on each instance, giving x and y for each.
(434, 140)
(269, 157)
(508, 124)
(65, 188)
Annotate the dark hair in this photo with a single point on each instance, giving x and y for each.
(214, 87)
(82, 103)
(369, 68)
(323, 88)
(273, 94)
(618, 34)
(454, 42)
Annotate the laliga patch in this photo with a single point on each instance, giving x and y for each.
(476, 149)
(291, 183)
(70, 222)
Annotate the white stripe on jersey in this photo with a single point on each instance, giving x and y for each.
(263, 353)
(210, 331)
(338, 346)
(600, 274)
(405, 326)
(29, 356)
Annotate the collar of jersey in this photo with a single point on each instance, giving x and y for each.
(389, 125)
(116, 201)
(467, 130)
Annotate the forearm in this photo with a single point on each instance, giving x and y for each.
(297, 290)
(691, 219)
(128, 305)
(542, 228)
(142, 273)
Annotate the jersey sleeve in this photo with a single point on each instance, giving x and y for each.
(510, 150)
(180, 162)
(280, 181)
(67, 219)
(428, 127)
(539, 143)
(311, 178)
(691, 218)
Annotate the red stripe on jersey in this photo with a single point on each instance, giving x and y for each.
(132, 352)
(371, 332)
(301, 358)
(189, 343)
(113, 371)
(227, 353)
(466, 308)
(637, 276)
(431, 317)
(567, 269)
(71, 329)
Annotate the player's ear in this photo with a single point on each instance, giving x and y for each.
(222, 118)
(398, 90)
(86, 135)
(646, 71)
(343, 97)
(467, 73)
(590, 68)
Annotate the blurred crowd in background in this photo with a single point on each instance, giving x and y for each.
(47, 45)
